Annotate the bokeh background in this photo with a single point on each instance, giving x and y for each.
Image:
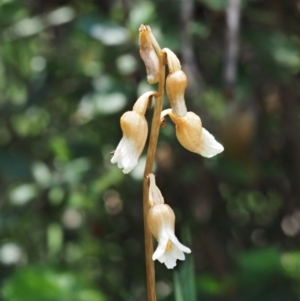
(71, 226)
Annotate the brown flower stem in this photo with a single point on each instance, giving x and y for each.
(150, 271)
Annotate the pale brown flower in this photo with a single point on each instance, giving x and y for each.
(135, 130)
(161, 221)
(176, 83)
(148, 55)
(193, 136)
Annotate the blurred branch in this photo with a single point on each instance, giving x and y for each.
(188, 58)
(233, 12)
(291, 130)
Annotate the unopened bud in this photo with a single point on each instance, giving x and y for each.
(148, 55)
(176, 84)
(173, 61)
(155, 196)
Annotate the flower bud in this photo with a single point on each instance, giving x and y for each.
(161, 221)
(155, 196)
(173, 61)
(129, 149)
(193, 136)
(175, 84)
(148, 55)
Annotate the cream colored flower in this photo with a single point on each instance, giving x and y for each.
(135, 131)
(148, 55)
(161, 220)
(176, 83)
(193, 136)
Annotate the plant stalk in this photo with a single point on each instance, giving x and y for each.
(150, 271)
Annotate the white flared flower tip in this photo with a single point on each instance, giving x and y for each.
(169, 249)
(126, 155)
(135, 129)
(209, 146)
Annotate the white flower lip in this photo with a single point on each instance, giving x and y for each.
(169, 249)
(125, 155)
(210, 146)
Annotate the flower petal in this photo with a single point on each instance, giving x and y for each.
(129, 157)
(125, 155)
(180, 246)
(177, 253)
(209, 146)
(170, 261)
(117, 153)
(162, 258)
(161, 248)
(159, 252)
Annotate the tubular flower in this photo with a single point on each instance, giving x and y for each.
(148, 55)
(135, 130)
(193, 136)
(161, 220)
(175, 84)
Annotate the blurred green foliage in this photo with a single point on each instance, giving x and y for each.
(71, 224)
(47, 284)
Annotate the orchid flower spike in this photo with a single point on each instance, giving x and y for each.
(175, 84)
(135, 131)
(161, 221)
(193, 136)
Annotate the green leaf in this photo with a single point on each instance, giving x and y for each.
(184, 279)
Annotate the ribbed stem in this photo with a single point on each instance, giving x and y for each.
(150, 271)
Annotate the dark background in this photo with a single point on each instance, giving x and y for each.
(71, 225)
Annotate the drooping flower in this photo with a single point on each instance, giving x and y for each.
(176, 83)
(148, 55)
(135, 131)
(193, 136)
(161, 221)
